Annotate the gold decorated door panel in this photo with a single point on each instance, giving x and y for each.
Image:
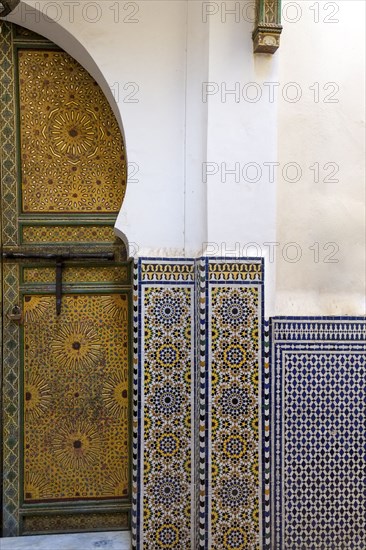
(66, 297)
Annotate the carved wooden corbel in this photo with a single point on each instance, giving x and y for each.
(7, 6)
(266, 34)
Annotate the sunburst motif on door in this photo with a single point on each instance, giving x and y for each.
(71, 147)
(66, 382)
(75, 398)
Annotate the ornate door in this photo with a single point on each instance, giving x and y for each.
(65, 296)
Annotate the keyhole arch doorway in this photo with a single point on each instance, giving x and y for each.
(66, 370)
(32, 17)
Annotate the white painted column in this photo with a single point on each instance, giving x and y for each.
(242, 141)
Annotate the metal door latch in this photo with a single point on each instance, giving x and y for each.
(59, 259)
(15, 314)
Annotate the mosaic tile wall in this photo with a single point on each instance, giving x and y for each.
(164, 504)
(266, 439)
(198, 377)
(233, 359)
(319, 438)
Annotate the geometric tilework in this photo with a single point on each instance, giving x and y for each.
(136, 414)
(266, 438)
(197, 355)
(319, 435)
(164, 508)
(201, 479)
(233, 359)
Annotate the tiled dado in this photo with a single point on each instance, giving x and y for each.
(166, 363)
(319, 441)
(197, 381)
(232, 357)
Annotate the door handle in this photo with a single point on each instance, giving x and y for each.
(15, 314)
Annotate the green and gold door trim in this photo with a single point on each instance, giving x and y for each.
(66, 372)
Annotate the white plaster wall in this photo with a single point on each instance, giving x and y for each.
(310, 132)
(205, 121)
(242, 137)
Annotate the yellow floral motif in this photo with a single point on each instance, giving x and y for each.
(234, 446)
(255, 423)
(147, 423)
(35, 307)
(73, 131)
(168, 444)
(214, 333)
(77, 197)
(37, 396)
(75, 411)
(214, 469)
(167, 355)
(147, 513)
(235, 538)
(255, 468)
(254, 379)
(116, 305)
(115, 394)
(255, 513)
(77, 445)
(188, 377)
(75, 522)
(116, 484)
(36, 486)
(67, 233)
(235, 356)
(77, 344)
(214, 379)
(167, 536)
(188, 419)
(214, 425)
(72, 152)
(187, 333)
(187, 466)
